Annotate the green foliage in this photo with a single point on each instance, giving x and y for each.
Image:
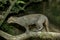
(7, 28)
(18, 6)
(3, 1)
(20, 2)
(4, 4)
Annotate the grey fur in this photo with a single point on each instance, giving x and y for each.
(26, 20)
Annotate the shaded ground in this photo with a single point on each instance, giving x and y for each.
(54, 28)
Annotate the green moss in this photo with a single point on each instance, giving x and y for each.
(43, 35)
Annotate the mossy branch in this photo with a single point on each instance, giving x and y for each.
(43, 35)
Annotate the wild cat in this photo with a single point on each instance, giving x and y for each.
(38, 19)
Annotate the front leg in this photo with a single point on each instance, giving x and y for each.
(27, 29)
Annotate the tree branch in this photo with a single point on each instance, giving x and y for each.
(5, 35)
(43, 35)
(51, 35)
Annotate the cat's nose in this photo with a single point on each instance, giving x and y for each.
(10, 21)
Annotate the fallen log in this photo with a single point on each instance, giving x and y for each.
(43, 35)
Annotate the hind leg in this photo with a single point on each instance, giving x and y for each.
(39, 23)
(39, 26)
(46, 26)
(27, 29)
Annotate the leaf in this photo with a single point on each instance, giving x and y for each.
(21, 2)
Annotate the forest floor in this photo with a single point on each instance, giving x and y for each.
(54, 28)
